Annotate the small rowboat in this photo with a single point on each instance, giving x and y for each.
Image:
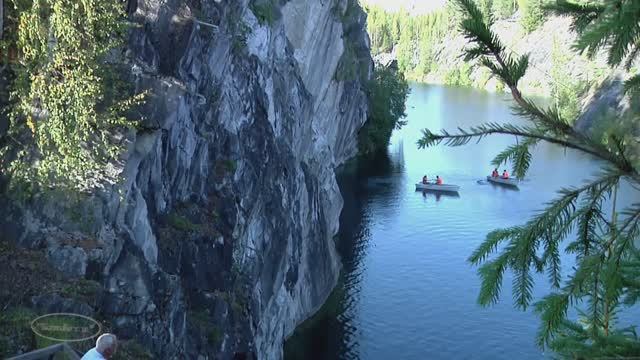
(435, 187)
(501, 181)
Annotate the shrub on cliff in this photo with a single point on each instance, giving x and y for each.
(68, 94)
(387, 91)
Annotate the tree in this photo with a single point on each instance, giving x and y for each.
(405, 51)
(67, 96)
(567, 88)
(503, 9)
(607, 271)
(532, 14)
(613, 25)
(387, 93)
(485, 7)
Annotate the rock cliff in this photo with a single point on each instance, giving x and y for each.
(219, 238)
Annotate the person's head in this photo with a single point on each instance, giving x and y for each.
(437, 176)
(496, 169)
(106, 345)
(505, 170)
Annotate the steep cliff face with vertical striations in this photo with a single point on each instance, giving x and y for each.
(219, 238)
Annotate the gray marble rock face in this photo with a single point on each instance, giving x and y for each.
(219, 239)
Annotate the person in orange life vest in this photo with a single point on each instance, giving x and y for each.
(438, 180)
(424, 180)
(495, 173)
(505, 175)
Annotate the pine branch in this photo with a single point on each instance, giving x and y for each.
(479, 132)
(632, 85)
(553, 312)
(519, 155)
(551, 258)
(491, 274)
(556, 219)
(582, 14)
(491, 243)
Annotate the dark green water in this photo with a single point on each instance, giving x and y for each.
(406, 290)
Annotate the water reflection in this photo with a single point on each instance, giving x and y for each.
(360, 181)
(438, 195)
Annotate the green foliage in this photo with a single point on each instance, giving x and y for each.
(230, 165)
(532, 14)
(214, 336)
(567, 89)
(503, 9)
(182, 223)
(608, 260)
(15, 330)
(83, 290)
(264, 10)
(459, 76)
(486, 7)
(131, 350)
(348, 65)
(65, 108)
(204, 323)
(610, 25)
(413, 37)
(387, 92)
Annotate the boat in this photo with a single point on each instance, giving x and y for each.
(435, 187)
(501, 181)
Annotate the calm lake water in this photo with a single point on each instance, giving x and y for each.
(406, 291)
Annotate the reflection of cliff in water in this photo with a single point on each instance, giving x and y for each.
(331, 333)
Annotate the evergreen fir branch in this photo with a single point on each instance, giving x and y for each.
(589, 216)
(582, 14)
(617, 28)
(553, 312)
(626, 33)
(491, 274)
(630, 270)
(556, 219)
(519, 155)
(633, 54)
(523, 282)
(479, 132)
(551, 259)
(490, 245)
(632, 85)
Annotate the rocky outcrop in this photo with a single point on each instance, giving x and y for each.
(219, 239)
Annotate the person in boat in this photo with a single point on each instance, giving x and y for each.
(425, 180)
(495, 173)
(505, 174)
(438, 180)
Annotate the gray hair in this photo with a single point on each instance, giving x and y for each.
(106, 342)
